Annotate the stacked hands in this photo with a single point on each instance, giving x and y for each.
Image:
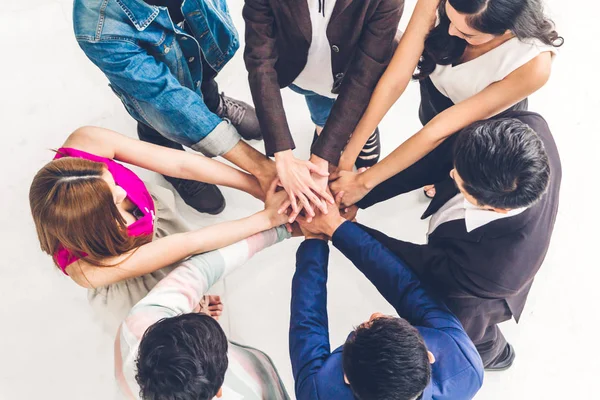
(310, 188)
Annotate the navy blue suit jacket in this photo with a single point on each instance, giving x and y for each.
(457, 372)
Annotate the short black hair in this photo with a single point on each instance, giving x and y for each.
(386, 359)
(502, 163)
(182, 358)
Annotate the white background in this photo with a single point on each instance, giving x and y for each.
(50, 347)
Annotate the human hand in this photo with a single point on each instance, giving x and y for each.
(276, 206)
(211, 305)
(265, 178)
(351, 184)
(349, 213)
(324, 223)
(311, 235)
(295, 177)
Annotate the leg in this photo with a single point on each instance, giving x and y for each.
(432, 168)
(147, 134)
(496, 353)
(241, 114)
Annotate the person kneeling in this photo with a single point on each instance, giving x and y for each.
(164, 350)
(424, 354)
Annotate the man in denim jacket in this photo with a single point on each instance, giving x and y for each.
(161, 58)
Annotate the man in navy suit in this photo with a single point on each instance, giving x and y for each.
(424, 354)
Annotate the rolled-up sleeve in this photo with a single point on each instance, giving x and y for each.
(153, 95)
(372, 56)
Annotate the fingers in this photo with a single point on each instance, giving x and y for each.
(286, 204)
(306, 204)
(313, 168)
(272, 187)
(338, 199)
(295, 214)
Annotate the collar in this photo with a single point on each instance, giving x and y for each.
(139, 12)
(476, 217)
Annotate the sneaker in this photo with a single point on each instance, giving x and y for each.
(203, 197)
(241, 115)
(369, 155)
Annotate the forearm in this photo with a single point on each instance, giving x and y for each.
(387, 92)
(173, 248)
(405, 155)
(392, 278)
(185, 286)
(206, 170)
(250, 160)
(309, 336)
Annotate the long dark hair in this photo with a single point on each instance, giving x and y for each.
(525, 18)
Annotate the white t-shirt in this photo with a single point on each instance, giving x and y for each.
(465, 80)
(317, 75)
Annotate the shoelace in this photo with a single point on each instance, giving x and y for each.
(231, 109)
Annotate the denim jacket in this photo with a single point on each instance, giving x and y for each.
(155, 66)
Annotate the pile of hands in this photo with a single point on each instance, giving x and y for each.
(310, 197)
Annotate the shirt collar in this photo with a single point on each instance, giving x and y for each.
(476, 217)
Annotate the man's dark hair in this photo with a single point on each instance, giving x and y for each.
(182, 358)
(502, 163)
(386, 360)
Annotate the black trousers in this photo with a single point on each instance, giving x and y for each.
(431, 169)
(210, 93)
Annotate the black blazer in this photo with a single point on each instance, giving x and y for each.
(278, 36)
(483, 271)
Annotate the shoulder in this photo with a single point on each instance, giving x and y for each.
(457, 365)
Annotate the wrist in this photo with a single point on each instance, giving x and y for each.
(267, 219)
(318, 161)
(283, 155)
(365, 180)
(333, 224)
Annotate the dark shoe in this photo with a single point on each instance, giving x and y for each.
(241, 115)
(203, 197)
(369, 155)
(504, 360)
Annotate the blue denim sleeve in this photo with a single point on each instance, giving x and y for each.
(309, 332)
(154, 96)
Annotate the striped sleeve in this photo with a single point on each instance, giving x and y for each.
(179, 293)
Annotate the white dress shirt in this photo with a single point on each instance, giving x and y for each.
(459, 207)
(317, 75)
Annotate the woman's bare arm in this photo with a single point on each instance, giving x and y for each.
(168, 250)
(491, 101)
(179, 164)
(394, 80)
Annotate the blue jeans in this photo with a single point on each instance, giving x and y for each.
(318, 106)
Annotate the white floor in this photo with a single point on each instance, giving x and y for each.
(51, 349)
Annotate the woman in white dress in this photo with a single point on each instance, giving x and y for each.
(476, 59)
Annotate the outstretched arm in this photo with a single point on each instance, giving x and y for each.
(393, 279)
(179, 164)
(260, 56)
(394, 80)
(180, 292)
(309, 332)
(491, 101)
(168, 250)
